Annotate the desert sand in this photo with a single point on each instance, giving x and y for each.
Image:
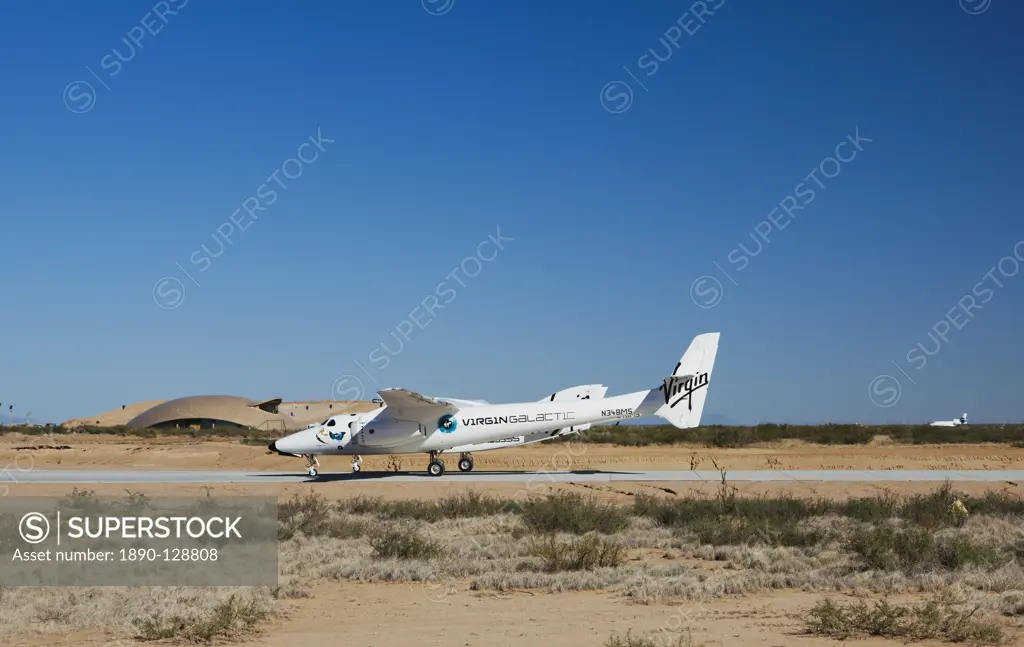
(397, 615)
(87, 451)
(400, 614)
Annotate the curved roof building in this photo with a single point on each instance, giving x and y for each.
(206, 411)
(114, 418)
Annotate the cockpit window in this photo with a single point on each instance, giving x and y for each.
(325, 421)
(331, 422)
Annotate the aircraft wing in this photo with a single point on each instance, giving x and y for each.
(409, 405)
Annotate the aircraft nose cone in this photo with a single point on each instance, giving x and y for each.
(272, 447)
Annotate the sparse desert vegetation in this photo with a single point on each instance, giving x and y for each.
(225, 619)
(964, 571)
(631, 640)
(939, 618)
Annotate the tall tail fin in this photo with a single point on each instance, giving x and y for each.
(684, 392)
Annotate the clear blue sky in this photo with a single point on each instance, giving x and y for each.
(447, 127)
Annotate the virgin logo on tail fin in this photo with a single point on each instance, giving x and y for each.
(684, 387)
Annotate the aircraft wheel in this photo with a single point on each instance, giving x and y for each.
(435, 468)
(466, 465)
(356, 467)
(311, 471)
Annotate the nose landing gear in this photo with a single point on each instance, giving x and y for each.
(357, 463)
(311, 464)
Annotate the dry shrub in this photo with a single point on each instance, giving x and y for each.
(403, 543)
(230, 619)
(629, 640)
(936, 619)
(577, 554)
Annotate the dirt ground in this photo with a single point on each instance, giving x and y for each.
(20, 454)
(619, 492)
(398, 614)
(84, 451)
(386, 615)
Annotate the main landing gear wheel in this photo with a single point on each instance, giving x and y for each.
(466, 464)
(356, 467)
(435, 468)
(311, 471)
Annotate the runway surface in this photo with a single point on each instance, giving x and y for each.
(588, 476)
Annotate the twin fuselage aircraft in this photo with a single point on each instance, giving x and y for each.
(410, 423)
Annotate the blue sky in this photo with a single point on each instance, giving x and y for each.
(438, 131)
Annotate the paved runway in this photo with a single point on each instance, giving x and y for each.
(588, 476)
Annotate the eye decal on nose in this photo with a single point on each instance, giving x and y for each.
(447, 423)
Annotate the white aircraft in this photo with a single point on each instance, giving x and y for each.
(410, 423)
(583, 392)
(955, 422)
